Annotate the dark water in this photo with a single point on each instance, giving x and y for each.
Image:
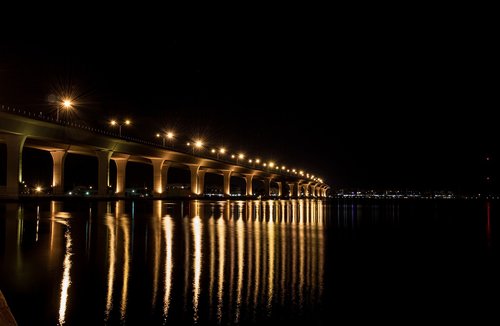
(237, 262)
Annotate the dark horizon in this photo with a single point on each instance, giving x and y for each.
(409, 109)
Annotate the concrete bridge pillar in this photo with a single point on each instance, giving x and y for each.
(249, 179)
(15, 145)
(313, 190)
(157, 176)
(201, 182)
(267, 186)
(291, 189)
(121, 166)
(103, 158)
(58, 158)
(306, 190)
(227, 182)
(164, 174)
(280, 188)
(194, 179)
(299, 189)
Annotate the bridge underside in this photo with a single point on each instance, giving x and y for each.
(20, 132)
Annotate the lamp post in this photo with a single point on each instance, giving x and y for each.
(239, 157)
(116, 123)
(196, 144)
(170, 136)
(66, 104)
(222, 151)
(163, 139)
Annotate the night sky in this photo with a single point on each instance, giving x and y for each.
(362, 105)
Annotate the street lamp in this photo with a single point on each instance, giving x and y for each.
(116, 123)
(170, 136)
(196, 144)
(240, 157)
(65, 104)
(158, 136)
(222, 151)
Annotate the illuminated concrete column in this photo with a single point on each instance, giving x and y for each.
(267, 186)
(194, 178)
(313, 190)
(299, 189)
(249, 179)
(201, 182)
(280, 188)
(121, 166)
(58, 158)
(164, 174)
(306, 190)
(15, 145)
(291, 186)
(157, 176)
(103, 158)
(227, 182)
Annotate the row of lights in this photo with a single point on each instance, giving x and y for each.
(198, 144)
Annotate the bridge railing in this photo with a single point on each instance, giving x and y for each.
(49, 118)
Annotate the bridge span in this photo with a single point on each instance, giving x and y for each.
(20, 129)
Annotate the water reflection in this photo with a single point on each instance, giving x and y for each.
(221, 239)
(196, 227)
(109, 221)
(234, 261)
(168, 230)
(66, 279)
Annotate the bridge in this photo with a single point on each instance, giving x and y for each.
(20, 129)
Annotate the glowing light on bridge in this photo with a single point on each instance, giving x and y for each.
(222, 150)
(67, 103)
(271, 164)
(170, 135)
(198, 143)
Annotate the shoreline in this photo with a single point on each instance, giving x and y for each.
(6, 317)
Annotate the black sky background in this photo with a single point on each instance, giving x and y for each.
(364, 104)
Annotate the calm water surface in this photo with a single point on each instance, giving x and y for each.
(248, 262)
